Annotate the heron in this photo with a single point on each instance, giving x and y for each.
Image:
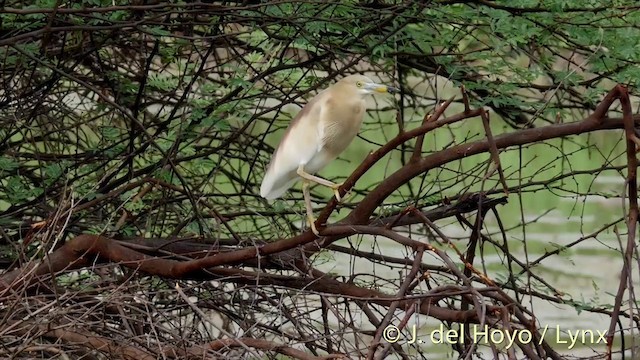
(324, 128)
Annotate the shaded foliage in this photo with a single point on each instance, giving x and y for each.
(150, 124)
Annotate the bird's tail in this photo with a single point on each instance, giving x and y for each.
(275, 184)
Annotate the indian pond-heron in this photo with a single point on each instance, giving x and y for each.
(316, 136)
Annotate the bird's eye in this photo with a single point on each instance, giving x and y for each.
(359, 84)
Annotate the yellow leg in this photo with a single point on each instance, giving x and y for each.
(318, 180)
(307, 204)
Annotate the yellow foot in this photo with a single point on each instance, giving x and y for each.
(336, 191)
(312, 224)
(314, 230)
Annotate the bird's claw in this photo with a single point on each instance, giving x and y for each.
(312, 224)
(314, 230)
(336, 191)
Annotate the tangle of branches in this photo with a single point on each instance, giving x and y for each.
(134, 137)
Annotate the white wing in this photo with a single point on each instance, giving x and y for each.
(301, 142)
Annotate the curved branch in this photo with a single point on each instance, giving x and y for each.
(594, 122)
(69, 334)
(264, 345)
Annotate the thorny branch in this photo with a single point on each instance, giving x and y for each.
(87, 250)
(632, 219)
(153, 120)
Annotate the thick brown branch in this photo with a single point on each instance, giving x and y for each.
(265, 345)
(632, 220)
(68, 334)
(366, 207)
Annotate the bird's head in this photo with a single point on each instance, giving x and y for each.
(364, 86)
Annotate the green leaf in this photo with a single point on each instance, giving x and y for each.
(7, 164)
(164, 83)
(158, 31)
(110, 133)
(53, 172)
(279, 205)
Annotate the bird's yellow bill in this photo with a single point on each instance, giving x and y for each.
(385, 89)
